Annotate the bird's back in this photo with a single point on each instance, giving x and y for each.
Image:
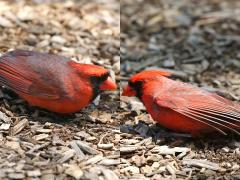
(34, 73)
(187, 108)
(42, 63)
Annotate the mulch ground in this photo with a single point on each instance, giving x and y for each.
(38, 144)
(198, 41)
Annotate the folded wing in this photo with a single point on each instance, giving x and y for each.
(207, 108)
(19, 76)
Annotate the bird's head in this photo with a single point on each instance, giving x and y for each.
(98, 76)
(136, 82)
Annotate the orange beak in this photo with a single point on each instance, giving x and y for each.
(128, 91)
(108, 85)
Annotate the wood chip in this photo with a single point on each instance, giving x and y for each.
(15, 146)
(128, 149)
(40, 137)
(106, 146)
(74, 171)
(16, 175)
(48, 177)
(201, 163)
(86, 148)
(67, 155)
(165, 150)
(78, 151)
(109, 174)
(5, 126)
(38, 147)
(44, 130)
(19, 126)
(93, 160)
(34, 173)
(109, 162)
(5, 22)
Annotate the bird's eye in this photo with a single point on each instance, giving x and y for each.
(138, 84)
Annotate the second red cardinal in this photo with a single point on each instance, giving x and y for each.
(183, 107)
(53, 82)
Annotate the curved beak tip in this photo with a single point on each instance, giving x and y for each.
(108, 85)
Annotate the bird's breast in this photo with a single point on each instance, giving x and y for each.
(62, 105)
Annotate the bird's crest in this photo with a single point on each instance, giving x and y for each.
(148, 75)
(89, 69)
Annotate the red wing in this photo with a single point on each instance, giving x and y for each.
(17, 75)
(201, 106)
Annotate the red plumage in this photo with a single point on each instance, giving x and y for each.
(53, 82)
(183, 107)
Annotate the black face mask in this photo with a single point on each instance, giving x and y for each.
(137, 86)
(96, 82)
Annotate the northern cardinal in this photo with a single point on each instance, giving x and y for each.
(53, 82)
(183, 107)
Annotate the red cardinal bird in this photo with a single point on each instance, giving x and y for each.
(53, 82)
(183, 107)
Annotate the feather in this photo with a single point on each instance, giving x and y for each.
(18, 77)
(212, 110)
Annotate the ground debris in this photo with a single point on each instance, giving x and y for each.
(37, 144)
(196, 46)
(201, 163)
